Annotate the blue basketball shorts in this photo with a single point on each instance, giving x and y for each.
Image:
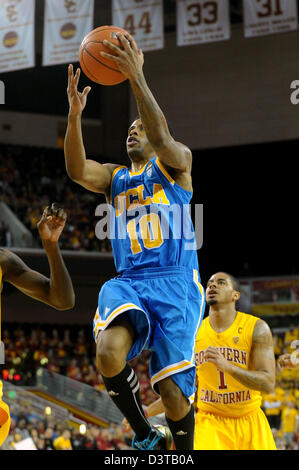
(165, 305)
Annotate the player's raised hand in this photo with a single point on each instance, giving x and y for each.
(77, 100)
(52, 223)
(128, 57)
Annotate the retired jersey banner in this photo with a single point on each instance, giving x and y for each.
(262, 17)
(66, 23)
(275, 296)
(143, 19)
(16, 34)
(201, 21)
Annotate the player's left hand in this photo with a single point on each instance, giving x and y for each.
(214, 355)
(128, 57)
(52, 223)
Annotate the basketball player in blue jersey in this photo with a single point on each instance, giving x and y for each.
(156, 302)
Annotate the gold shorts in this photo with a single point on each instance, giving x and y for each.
(250, 432)
(4, 421)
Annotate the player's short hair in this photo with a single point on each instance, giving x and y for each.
(236, 284)
(169, 125)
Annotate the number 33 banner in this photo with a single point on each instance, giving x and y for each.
(263, 17)
(143, 19)
(202, 21)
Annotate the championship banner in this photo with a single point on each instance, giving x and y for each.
(16, 34)
(275, 297)
(66, 23)
(262, 17)
(143, 19)
(201, 21)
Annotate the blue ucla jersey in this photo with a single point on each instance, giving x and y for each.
(150, 223)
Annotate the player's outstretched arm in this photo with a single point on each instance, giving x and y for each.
(261, 375)
(130, 61)
(88, 173)
(58, 290)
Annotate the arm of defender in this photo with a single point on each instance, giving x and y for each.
(56, 291)
(261, 375)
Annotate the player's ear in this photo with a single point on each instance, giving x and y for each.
(236, 295)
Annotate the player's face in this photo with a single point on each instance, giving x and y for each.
(220, 290)
(138, 145)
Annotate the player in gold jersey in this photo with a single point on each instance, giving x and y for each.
(57, 291)
(235, 363)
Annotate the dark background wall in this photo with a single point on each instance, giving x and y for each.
(233, 92)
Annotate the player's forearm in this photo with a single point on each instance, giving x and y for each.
(60, 291)
(74, 151)
(256, 380)
(152, 117)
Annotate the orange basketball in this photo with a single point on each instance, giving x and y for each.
(94, 65)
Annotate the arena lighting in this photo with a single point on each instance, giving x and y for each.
(17, 377)
(82, 428)
(48, 411)
(44, 361)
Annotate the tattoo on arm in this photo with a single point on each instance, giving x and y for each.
(262, 375)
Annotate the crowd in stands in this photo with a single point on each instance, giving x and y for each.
(32, 178)
(73, 355)
(282, 406)
(52, 434)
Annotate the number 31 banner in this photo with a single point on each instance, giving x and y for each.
(143, 19)
(202, 21)
(262, 17)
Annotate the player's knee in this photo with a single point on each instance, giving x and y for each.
(171, 395)
(107, 357)
(110, 357)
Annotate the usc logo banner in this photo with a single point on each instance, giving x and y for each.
(16, 34)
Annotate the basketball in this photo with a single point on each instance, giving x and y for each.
(96, 67)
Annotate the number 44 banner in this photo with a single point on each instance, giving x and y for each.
(143, 19)
(262, 17)
(202, 21)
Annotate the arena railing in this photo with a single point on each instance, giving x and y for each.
(82, 396)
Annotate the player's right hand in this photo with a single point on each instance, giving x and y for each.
(77, 100)
(52, 223)
(285, 361)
